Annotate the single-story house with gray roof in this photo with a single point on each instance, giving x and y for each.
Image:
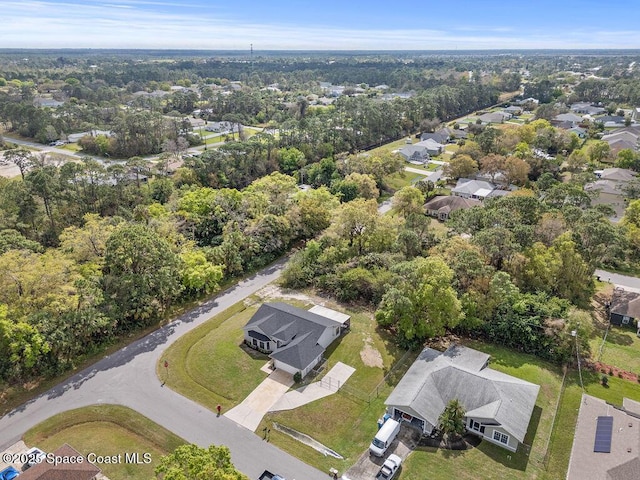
(498, 406)
(495, 117)
(294, 338)
(625, 308)
(415, 153)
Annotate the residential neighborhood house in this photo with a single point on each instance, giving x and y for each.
(625, 308)
(498, 406)
(433, 147)
(606, 441)
(477, 189)
(567, 120)
(415, 153)
(587, 108)
(441, 136)
(495, 117)
(622, 138)
(294, 338)
(64, 470)
(441, 206)
(609, 189)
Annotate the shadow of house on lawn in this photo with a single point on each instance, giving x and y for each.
(621, 336)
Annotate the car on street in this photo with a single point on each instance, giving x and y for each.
(9, 473)
(267, 475)
(389, 468)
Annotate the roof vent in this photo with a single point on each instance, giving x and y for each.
(629, 450)
(630, 424)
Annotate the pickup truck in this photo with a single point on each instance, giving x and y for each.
(389, 467)
(267, 475)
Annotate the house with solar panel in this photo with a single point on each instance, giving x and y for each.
(294, 338)
(498, 406)
(606, 444)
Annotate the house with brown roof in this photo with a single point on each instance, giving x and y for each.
(47, 470)
(442, 205)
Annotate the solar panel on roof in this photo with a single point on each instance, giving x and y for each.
(604, 429)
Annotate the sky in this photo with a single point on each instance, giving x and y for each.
(320, 25)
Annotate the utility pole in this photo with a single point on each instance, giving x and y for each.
(574, 333)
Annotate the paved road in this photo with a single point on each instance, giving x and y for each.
(617, 279)
(128, 378)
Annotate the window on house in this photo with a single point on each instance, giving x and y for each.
(255, 342)
(500, 437)
(262, 345)
(476, 426)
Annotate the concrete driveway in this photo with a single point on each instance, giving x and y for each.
(128, 377)
(368, 466)
(250, 412)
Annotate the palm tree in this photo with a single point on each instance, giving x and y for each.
(451, 420)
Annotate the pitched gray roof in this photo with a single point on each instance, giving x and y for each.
(414, 152)
(626, 303)
(473, 187)
(300, 352)
(568, 117)
(460, 373)
(618, 174)
(626, 471)
(298, 329)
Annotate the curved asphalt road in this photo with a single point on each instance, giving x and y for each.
(128, 377)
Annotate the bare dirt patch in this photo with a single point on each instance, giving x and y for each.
(275, 291)
(370, 356)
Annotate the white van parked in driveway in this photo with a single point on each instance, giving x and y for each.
(384, 437)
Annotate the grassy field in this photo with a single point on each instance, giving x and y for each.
(206, 363)
(346, 421)
(107, 430)
(389, 147)
(620, 348)
(72, 147)
(398, 180)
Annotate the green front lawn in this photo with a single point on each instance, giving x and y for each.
(346, 421)
(210, 364)
(398, 180)
(107, 430)
(621, 348)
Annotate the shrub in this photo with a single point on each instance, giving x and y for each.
(297, 377)
(605, 380)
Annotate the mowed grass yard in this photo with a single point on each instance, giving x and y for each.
(545, 463)
(621, 348)
(346, 422)
(211, 365)
(107, 430)
(488, 460)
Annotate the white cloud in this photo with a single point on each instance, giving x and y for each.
(156, 24)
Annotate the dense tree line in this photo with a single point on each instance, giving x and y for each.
(83, 260)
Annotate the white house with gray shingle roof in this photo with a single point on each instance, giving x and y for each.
(294, 338)
(498, 406)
